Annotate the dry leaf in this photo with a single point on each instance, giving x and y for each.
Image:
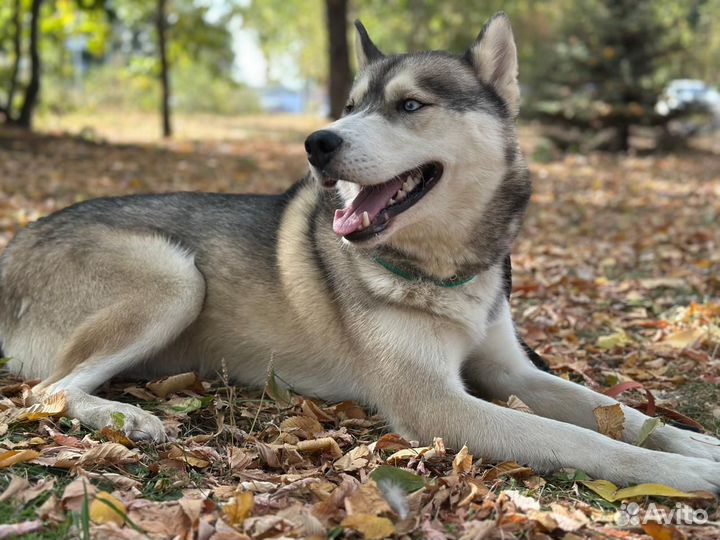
(681, 339)
(391, 441)
(568, 519)
(301, 426)
(371, 527)
(354, 459)
(407, 454)
(171, 385)
(74, 494)
(108, 453)
(105, 508)
(521, 502)
(660, 531)
(507, 468)
(616, 339)
(367, 500)
(610, 420)
(51, 406)
(462, 463)
(20, 529)
(13, 457)
(317, 445)
(113, 435)
(188, 456)
(610, 492)
(16, 485)
(239, 508)
(517, 404)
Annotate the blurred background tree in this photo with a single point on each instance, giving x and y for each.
(592, 70)
(611, 61)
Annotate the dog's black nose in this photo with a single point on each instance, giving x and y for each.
(321, 146)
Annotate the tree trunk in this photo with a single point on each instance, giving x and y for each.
(16, 62)
(33, 89)
(340, 78)
(164, 69)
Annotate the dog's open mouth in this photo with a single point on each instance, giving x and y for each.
(373, 208)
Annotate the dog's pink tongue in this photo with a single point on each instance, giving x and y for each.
(371, 199)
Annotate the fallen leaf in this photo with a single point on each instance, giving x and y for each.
(109, 453)
(173, 384)
(462, 463)
(239, 508)
(280, 394)
(301, 426)
(522, 502)
(367, 499)
(610, 420)
(74, 494)
(105, 508)
(317, 445)
(187, 456)
(517, 404)
(51, 406)
(507, 468)
(616, 339)
(16, 485)
(20, 529)
(407, 454)
(371, 527)
(660, 531)
(116, 436)
(682, 339)
(647, 429)
(353, 460)
(610, 492)
(181, 406)
(407, 480)
(391, 441)
(14, 457)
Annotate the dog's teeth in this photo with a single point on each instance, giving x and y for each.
(408, 185)
(365, 219)
(392, 201)
(400, 195)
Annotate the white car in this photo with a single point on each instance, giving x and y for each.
(683, 93)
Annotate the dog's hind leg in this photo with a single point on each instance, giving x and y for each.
(500, 367)
(151, 292)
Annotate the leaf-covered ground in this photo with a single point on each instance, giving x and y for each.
(616, 281)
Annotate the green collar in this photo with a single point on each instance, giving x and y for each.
(407, 276)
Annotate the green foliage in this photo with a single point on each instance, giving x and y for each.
(290, 32)
(134, 86)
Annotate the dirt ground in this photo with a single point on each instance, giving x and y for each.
(616, 280)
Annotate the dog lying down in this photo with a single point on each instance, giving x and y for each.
(383, 277)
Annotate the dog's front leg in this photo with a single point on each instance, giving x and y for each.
(500, 368)
(427, 399)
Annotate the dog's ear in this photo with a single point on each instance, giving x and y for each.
(494, 57)
(365, 50)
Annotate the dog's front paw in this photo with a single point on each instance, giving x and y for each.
(679, 472)
(141, 425)
(136, 423)
(686, 443)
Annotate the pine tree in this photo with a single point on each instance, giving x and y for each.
(613, 61)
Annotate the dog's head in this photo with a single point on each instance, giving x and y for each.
(425, 140)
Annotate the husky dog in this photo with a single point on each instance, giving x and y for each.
(382, 277)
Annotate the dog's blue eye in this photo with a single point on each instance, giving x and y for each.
(411, 105)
